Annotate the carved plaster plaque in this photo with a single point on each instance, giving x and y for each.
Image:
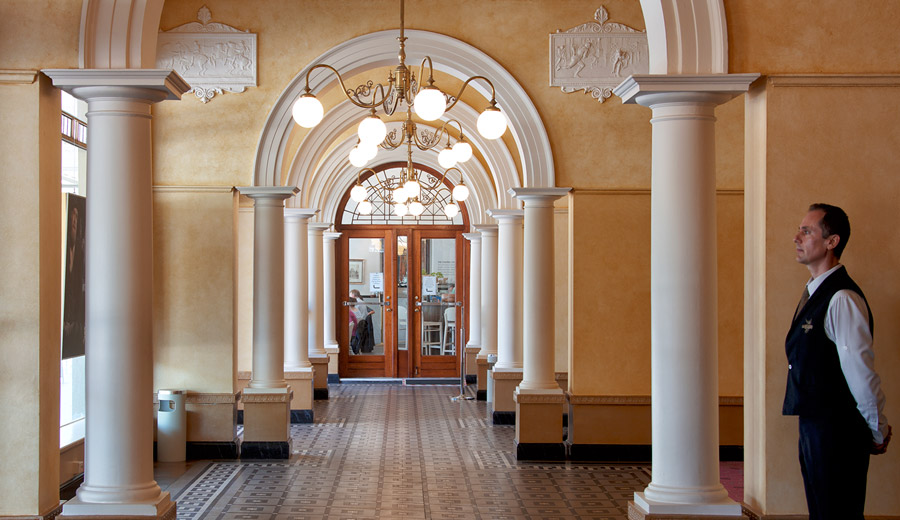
(211, 57)
(596, 56)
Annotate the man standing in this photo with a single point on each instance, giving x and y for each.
(832, 384)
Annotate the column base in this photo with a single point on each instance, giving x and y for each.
(162, 508)
(267, 416)
(266, 450)
(482, 379)
(505, 382)
(471, 353)
(332, 350)
(539, 429)
(320, 376)
(642, 508)
(301, 382)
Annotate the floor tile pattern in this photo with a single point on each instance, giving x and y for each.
(395, 451)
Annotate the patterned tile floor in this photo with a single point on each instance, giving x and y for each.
(394, 451)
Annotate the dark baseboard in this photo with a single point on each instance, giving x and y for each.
(471, 379)
(731, 453)
(213, 450)
(67, 489)
(334, 379)
(565, 420)
(503, 418)
(320, 394)
(432, 381)
(481, 395)
(240, 417)
(265, 450)
(301, 416)
(540, 451)
(609, 452)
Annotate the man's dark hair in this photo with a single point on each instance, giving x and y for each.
(834, 222)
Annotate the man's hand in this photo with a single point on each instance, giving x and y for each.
(878, 449)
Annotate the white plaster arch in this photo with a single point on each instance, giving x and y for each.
(450, 55)
(119, 34)
(686, 36)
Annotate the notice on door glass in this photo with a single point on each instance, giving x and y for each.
(376, 283)
(429, 285)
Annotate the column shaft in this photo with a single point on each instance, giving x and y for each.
(474, 289)
(296, 283)
(316, 304)
(488, 290)
(328, 267)
(509, 288)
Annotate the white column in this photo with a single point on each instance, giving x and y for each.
(328, 266)
(488, 290)
(296, 288)
(118, 477)
(684, 364)
(509, 287)
(539, 332)
(474, 289)
(316, 304)
(268, 284)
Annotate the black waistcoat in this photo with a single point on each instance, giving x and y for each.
(816, 386)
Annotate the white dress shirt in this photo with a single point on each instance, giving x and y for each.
(847, 325)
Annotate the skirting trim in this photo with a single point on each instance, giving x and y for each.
(503, 418)
(540, 451)
(265, 450)
(320, 394)
(301, 416)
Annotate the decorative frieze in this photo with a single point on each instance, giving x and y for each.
(596, 56)
(212, 57)
(280, 397)
(551, 398)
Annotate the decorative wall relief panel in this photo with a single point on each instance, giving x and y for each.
(212, 57)
(596, 56)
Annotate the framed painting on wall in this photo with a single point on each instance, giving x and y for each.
(355, 271)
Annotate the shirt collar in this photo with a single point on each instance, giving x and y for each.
(814, 283)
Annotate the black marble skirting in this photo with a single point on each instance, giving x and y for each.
(334, 379)
(320, 394)
(213, 450)
(503, 418)
(67, 489)
(635, 453)
(265, 450)
(539, 451)
(301, 416)
(481, 395)
(471, 379)
(240, 417)
(731, 453)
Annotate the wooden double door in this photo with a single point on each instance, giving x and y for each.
(400, 302)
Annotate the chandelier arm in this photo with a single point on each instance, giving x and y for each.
(378, 87)
(414, 89)
(466, 84)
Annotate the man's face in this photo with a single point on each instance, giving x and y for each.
(811, 247)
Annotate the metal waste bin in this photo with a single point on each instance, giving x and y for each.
(171, 426)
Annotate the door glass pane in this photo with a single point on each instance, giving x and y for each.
(402, 311)
(438, 315)
(365, 292)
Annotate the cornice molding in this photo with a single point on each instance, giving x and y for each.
(17, 77)
(193, 189)
(834, 80)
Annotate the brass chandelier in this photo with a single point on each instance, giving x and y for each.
(403, 88)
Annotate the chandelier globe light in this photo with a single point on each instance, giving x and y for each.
(357, 157)
(358, 193)
(451, 210)
(372, 130)
(412, 188)
(399, 195)
(463, 151)
(461, 192)
(491, 123)
(365, 207)
(307, 111)
(400, 210)
(416, 208)
(446, 158)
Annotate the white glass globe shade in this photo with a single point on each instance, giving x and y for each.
(365, 208)
(369, 150)
(358, 157)
(429, 104)
(463, 151)
(358, 193)
(400, 210)
(447, 159)
(491, 123)
(461, 192)
(372, 130)
(451, 210)
(412, 188)
(307, 111)
(416, 208)
(399, 195)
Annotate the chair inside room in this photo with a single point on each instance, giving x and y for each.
(448, 337)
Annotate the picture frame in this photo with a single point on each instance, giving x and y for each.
(355, 271)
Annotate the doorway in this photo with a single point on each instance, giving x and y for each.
(400, 304)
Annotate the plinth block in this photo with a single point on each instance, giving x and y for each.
(267, 415)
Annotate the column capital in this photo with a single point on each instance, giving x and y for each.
(78, 81)
(298, 214)
(683, 87)
(538, 197)
(331, 235)
(507, 215)
(265, 193)
(319, 227)
(472, 237)
(487, 230)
